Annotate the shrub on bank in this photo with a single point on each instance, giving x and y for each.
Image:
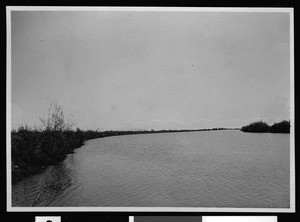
(259, 127)
(282, 127)
(33, 150)
(262, 127)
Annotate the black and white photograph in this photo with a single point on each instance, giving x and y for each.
(150, 109)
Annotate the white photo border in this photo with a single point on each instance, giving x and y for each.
(9, 208)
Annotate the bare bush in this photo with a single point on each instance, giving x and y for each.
(55, 119)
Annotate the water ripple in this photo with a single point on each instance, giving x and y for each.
(194, 169)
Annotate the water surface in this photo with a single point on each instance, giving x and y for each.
(186, 169)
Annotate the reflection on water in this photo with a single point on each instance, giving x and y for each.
(44, 189)
(190, 169)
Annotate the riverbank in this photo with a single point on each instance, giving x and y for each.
(33, 150)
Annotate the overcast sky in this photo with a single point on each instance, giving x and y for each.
(151, 70)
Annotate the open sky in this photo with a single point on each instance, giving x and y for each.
(126, 70)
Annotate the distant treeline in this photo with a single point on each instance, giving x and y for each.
(262, 127)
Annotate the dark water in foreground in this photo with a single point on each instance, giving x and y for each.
(189, 169)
